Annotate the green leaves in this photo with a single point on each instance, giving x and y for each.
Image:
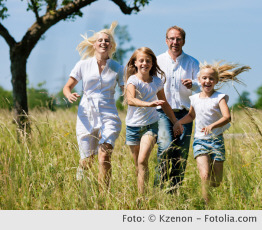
(65, 2)
(258, 104)
(140, 3)
(3, 10)
(6, 99)
(72, 16)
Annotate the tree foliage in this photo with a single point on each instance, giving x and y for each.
(258, 103)
(6, 99)
(38, 97)
(3, 10)
(243, 101)
(61, 102)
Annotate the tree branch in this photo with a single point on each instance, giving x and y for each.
(124, 8)
(35, 32)
(35, 10)
(5, 34)
(51, 5)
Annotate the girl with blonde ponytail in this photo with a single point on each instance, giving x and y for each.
(98, 124)
(210, 109)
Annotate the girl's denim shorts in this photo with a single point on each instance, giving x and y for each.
(134, 134)
(214, 147)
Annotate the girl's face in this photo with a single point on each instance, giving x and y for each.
(207, 80)
(143, 63)
(102, 44)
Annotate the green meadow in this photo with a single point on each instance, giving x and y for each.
(38, 172)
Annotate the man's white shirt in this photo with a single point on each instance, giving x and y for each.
(185, 67)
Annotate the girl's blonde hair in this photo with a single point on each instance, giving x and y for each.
(224, 72)
(131, 69)
(86, 49)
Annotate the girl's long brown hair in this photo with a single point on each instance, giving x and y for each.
(131, 69)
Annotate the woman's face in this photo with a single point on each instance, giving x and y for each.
(102, 44)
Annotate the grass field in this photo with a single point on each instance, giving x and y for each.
(38, 173)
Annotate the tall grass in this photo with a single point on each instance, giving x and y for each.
(38, 173)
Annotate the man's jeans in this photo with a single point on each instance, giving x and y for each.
(172, 151)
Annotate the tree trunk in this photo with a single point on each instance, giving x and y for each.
(18, 70)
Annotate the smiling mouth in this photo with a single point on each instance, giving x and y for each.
(208, 86)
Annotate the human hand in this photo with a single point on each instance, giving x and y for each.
(73, 97)
(187, 83)
(177, 129)
(156, 103)
(207, 129)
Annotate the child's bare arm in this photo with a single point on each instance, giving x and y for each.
(178, 129)
(186, 119)
(189, 117)
(226, 117)
(133, 101)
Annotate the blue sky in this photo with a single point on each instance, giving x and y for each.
(227, 29)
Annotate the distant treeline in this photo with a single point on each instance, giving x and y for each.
(40, 98)
(245, 101)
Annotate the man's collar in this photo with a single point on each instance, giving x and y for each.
(178, 58)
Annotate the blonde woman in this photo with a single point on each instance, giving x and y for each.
(98, 124)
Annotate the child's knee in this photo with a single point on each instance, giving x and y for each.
(204, 176)
(142, 163)
(86, 162)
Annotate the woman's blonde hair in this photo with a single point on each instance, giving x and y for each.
(86, 49)
(131, 69)
(224, 72)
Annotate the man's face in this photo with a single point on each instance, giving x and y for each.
(175, 41)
